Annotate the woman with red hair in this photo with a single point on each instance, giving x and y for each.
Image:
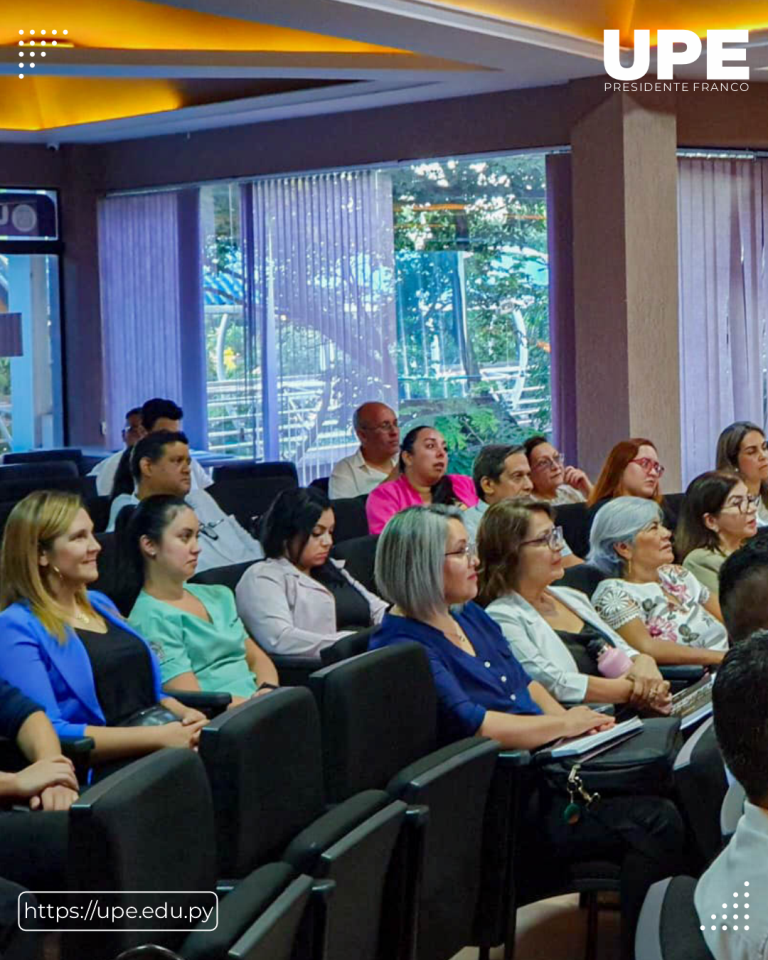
(631, 469)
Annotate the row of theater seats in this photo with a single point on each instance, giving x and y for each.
(334, 826)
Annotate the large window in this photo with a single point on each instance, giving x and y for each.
(423, 284)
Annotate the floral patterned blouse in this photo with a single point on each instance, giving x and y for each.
(671, 608)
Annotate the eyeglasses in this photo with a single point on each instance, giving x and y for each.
(742, 505)
(469, 550)
(208, 529)
(554, 540)
(387, 427)
(649, 466)
(553, 463)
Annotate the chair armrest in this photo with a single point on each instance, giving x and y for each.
(295, 671)
(76, 746)
(211, 704)
(681, 676)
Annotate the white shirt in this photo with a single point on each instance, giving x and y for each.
(471, 519)
(671, 608)
(225, 541)
(288, 612)
(353, 477)
(742, 868)
(537, 646)
(105, 471)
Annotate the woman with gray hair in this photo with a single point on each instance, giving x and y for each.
(658, 607)
(426, 567)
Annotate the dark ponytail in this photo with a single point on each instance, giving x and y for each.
(149, 519)
(442, 491)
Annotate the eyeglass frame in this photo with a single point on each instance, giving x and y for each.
(550, 463)
(387, 427)
(645, 464)
(752, 505)
(469, 551)
(556, 534)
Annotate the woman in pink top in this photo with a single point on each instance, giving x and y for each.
(422, 479)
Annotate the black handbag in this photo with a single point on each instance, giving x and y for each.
(643, 764)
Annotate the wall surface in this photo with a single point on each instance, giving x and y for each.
(500, 122)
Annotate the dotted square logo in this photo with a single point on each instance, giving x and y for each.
(36, 45)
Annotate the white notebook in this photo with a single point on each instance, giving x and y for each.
(577, 746)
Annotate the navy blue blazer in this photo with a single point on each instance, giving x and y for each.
(59, 675)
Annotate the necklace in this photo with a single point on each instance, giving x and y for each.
(81, 617)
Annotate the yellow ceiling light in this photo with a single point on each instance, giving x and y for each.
(139, 25)
(39, 103)
(587, 20)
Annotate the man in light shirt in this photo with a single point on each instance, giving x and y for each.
(379, 433)
(155, 414)
(160, 464)
(502, 472)
(730, 896)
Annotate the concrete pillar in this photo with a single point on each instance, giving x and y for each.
(625, 280)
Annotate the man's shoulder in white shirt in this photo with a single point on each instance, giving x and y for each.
(734, 886)
(353, 477)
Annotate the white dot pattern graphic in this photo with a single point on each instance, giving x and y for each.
(31, 43)
(735, 916)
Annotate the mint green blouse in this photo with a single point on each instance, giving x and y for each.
(214, 652)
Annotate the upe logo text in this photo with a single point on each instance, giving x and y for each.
(667, 56)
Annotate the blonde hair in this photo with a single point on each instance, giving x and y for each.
(34, 523)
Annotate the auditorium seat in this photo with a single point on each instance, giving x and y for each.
(63, 454)
(150, 827)
(265, 765)
(669, 927)
(98, 510)
(575, 520)
(701, 786)
(582, 576)
(248, 498)
(360, 556)
(251, 470)
(321, 484)
(228, 576)
(351, 519)
(379, 713)
(347, 647)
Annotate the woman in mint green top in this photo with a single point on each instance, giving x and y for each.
(194, 629)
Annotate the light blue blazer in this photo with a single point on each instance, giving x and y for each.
(58, 675)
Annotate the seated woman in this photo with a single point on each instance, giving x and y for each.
(298, 600)
(422, 465)
(742, 447)
(193, 628)
(657, 607)
(717, 516)
(631, 469)
(427, 569)
(553, 631)
(552, 481)
(68, 648)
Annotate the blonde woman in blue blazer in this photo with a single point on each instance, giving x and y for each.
(68, 648)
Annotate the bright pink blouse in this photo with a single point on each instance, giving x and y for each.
(390, 498)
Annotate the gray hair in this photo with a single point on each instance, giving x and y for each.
(618, 521)
(410, 557)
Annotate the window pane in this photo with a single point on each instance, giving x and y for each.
(472, 275)
(234, 374)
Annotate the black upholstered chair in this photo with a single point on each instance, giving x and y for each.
(264, 761)
(228, 576)
(582, 576)
(247, 498)
(98, 510)
(575, 520)
(321, 483)
(351, 519)
(379, 715)
(150, 827)
(36, 457)
(359, 554)
(669, 927)
(347, 647)
(701, 786)
(251, 470)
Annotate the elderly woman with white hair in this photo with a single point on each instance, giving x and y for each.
(658, 607)
(426, 567)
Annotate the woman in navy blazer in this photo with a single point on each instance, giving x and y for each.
(63, 645)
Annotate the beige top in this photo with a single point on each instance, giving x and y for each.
(705, 565)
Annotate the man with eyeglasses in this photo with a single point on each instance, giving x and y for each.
(161, 464)
(375, 460)
(502, 472)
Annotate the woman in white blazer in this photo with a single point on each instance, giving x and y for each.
(298, 600)
(550, 629)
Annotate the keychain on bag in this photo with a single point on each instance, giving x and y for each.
(575, 785)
